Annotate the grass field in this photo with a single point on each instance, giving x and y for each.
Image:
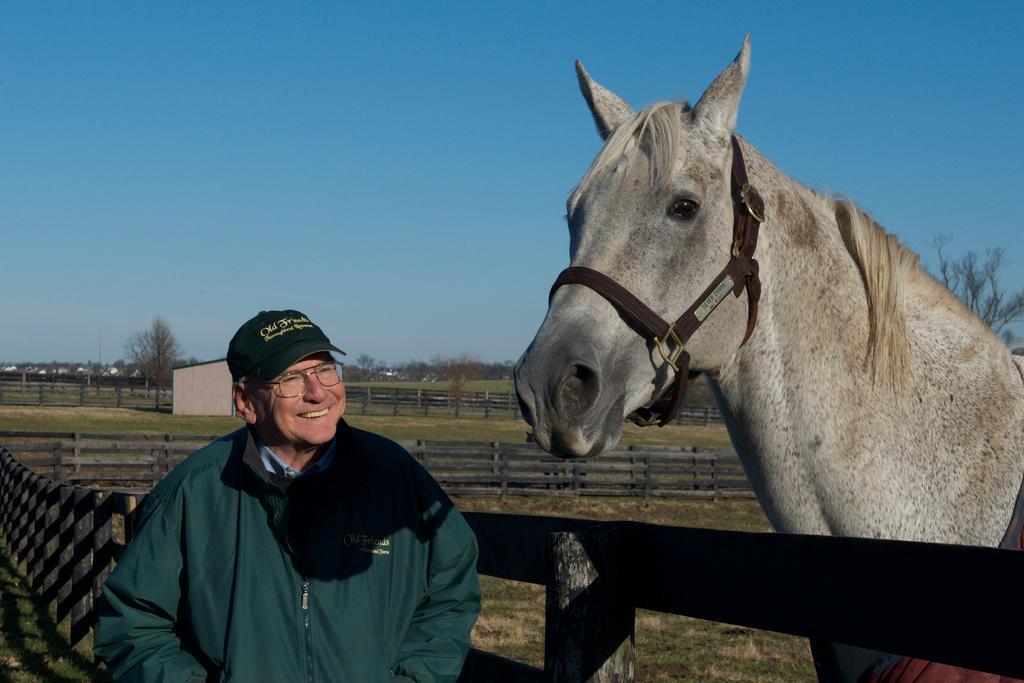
(32, 648)
(114, 420)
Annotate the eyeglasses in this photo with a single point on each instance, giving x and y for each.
(294, 383)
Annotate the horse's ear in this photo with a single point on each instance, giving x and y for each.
(608, 108)
(720, 103)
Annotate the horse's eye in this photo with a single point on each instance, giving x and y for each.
(684, 208)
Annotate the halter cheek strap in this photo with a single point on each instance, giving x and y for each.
(741, 272)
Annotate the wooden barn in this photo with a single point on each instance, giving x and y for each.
(203, 389)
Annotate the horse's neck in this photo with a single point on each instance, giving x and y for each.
(829, 449)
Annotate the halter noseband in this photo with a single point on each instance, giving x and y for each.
(670, 339)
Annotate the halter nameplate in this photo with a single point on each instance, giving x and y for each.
(741, 272)
(711, 303)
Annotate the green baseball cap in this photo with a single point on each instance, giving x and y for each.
(268, 344)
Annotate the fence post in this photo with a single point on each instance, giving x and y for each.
(81, 394)
(40, 393)
(154, 468)
(5, 468)
(82, 569)
(102, 543)
(714, 474)
(35, 551)
(55, 466)
(10, 497)
(126, 505)
(76, 453)
(46, 577)
(119, 387)
(65, 550)
(487, 404)
(168, 438)
(648, 484)
(7, 475)
(22, 516)
(590, 611)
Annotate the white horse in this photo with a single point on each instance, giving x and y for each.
(868, 401)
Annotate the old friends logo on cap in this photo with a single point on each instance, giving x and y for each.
(272, 341)
(284, 326)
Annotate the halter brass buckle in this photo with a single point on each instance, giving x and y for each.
(671, 358)
(751, 199)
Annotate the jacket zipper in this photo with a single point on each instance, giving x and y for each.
(308, 629)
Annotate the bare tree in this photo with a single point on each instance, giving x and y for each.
(154, 351)
(364, 369)
(458, 370)
(974, 278)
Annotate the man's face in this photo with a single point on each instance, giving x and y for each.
(299, 424)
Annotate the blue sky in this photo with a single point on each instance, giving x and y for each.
(398, 171)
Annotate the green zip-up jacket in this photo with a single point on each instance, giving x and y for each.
(363, 573)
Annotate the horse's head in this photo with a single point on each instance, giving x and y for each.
(655, 214)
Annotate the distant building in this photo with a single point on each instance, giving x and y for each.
(203, 389)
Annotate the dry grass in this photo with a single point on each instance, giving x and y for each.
(32, 647)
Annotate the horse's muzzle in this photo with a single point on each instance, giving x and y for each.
(565, 402)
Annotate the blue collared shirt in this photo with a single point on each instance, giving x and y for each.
(277, 466)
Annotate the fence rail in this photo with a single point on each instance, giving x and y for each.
(136, 462)
(955, 604)
(74, 393)
(377, 400)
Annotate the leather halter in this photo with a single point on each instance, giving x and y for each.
(670, 339)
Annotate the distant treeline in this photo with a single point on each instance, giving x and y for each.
(455, 370)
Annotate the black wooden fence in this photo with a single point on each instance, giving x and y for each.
(954, 604)
(63, 537)
(71, 392)
(137, 461)
(384, 400)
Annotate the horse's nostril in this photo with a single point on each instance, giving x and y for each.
(579, 389)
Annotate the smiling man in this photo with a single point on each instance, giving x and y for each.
(295, 549)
